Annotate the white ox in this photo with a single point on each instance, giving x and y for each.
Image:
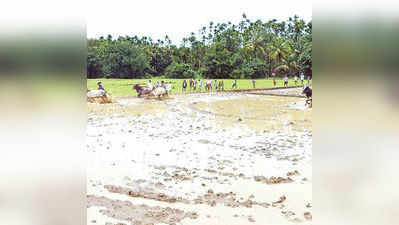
(96, 93)
(158, 92)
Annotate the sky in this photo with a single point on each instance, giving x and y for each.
(178, 18)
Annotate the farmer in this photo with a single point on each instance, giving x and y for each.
(191, 84)
(253, 83)
(150, 86)
(308, 92)
(302, 77)
(100, 86)
(199, 85)
(208, 84)
(221, 85)
(163, 85)
(184, 85)
(274, 79)
(286, 81)
(296, 80)
(234, 84)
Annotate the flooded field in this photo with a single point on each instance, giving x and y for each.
(220, 158)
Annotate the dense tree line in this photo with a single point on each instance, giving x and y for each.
(249, 49)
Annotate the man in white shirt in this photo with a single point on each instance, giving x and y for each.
(149, 84)
(286, 81)
(296, 80)
(302, 77)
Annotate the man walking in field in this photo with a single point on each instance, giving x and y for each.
(274, 79)
(184, 85)
(234, 84)
(190, 83)
(286, 81)
(209, 84)
(253, 83)
(199, 85)
(221, 85)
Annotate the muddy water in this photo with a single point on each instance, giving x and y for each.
(188, 160)
(260, 113)
(127, 107)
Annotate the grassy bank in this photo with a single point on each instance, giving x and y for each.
(123, 87)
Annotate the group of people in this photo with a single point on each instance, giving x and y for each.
(163, 84)
(286, 79)
(195, 85)
(209, 85)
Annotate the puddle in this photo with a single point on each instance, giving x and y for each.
(259, 113)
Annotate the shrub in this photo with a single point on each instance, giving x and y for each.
(179, 70)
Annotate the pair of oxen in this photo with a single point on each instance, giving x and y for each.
(143, 90)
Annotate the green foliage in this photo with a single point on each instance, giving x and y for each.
(123, 60)
(177, 70)
(259, 67)
(247, 50)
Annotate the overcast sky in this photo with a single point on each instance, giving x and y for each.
(178, 18)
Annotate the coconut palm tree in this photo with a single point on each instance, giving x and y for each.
(279, 50)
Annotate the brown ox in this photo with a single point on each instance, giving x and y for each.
(142, 90)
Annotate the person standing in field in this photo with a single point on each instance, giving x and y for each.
(296, 80)
(184, 85)
(100, 86)
(195, 84)
(209, 85)
(308, 80)
(221, 85)
(216, 85)
(158, 84)
(302, 78)
(274, 79)
(149, 85)
(199, 85)
(254, 83)
(163, 84)
(286, 81)
(234, 84)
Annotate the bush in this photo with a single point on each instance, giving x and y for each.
(179, 70)
(242, 72)
(259, 68)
